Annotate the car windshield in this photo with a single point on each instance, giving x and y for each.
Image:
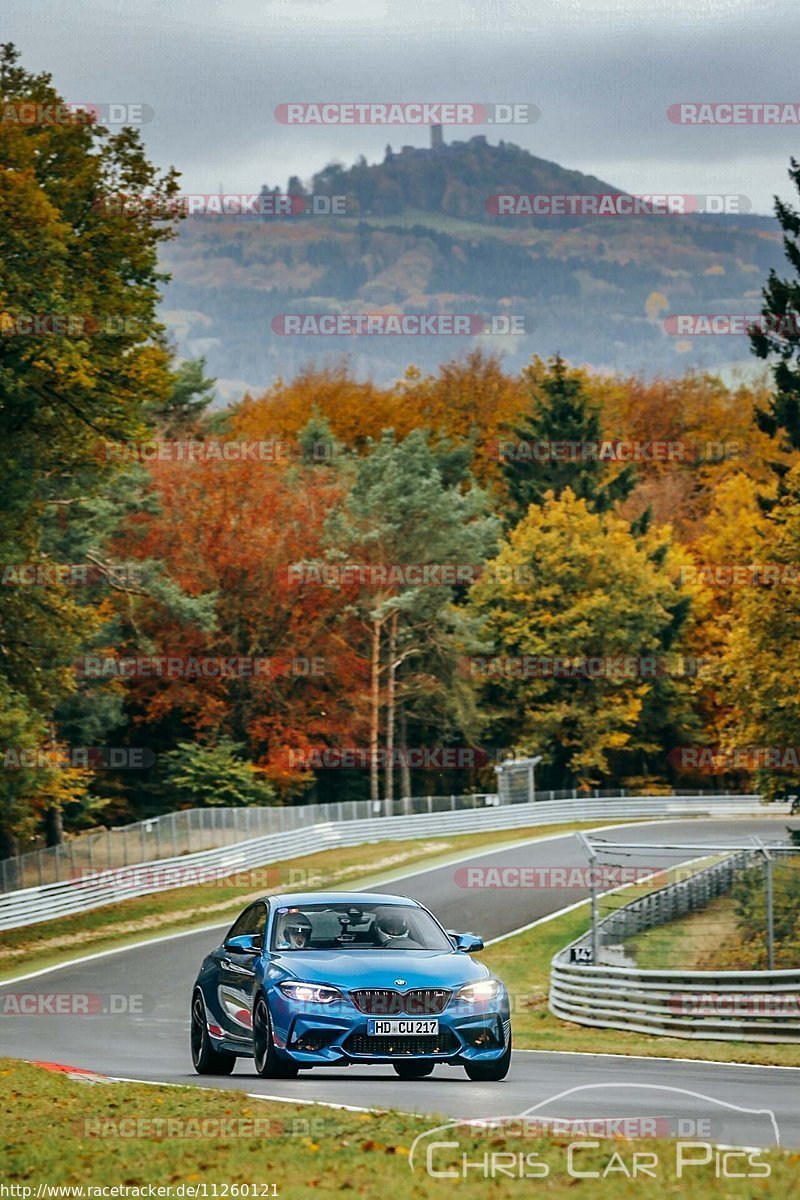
(358, 926)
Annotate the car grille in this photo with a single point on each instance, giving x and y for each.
(445, 1042)
(384, 1002)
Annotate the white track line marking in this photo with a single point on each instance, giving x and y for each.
(659, 1058)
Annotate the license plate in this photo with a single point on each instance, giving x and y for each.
(425, 1028)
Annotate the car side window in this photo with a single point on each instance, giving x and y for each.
(253, 920)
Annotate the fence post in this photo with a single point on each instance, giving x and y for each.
(593, 894)
(770, 916)
(769, 902)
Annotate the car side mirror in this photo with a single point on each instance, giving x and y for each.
(245, 943)
(467, 943)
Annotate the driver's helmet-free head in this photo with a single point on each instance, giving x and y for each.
(392, 922)
(297, 931)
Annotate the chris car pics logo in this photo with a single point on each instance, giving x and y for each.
(577, 1139)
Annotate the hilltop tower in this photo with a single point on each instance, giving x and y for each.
(437, 137)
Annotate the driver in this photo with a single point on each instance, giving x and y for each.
(296, 933)
(391, 925)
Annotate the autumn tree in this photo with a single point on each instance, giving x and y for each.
(560, 411)
(231, 531)
(778, 339)
(68, 255)
(401, 511)
(571, 586)
(759, 679)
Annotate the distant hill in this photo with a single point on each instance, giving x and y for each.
(417, 238)
(454, 180)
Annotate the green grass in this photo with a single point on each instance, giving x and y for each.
(696, 942)
(49, 943)
(59, 1131)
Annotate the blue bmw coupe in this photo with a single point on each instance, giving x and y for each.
(335, 978)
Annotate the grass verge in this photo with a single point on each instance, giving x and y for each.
(699, 941)
(59, 1131)
(523, 963)
(35, 947)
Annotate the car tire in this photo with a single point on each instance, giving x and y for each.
(413, 1070)
(205, 1059)
(491, 1072)
(268, 1064)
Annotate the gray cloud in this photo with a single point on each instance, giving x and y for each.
(602, 74)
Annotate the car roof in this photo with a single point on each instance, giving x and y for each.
(298, 899)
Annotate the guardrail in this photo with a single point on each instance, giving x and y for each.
(93, 889)
(193, 829)
(756, 1006)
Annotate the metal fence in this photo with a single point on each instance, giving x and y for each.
(760, 1006)
(192, 830)
(98, 885)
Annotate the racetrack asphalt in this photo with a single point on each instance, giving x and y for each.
(153, 1045)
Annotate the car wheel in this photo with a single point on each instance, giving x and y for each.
(413, 1070)
(207, 1060)
(268, 1064)
(490, 1072)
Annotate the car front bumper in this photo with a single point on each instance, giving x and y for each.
(467, 1033)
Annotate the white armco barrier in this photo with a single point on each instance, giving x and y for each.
(92, 889)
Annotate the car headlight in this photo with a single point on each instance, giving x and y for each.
(485, 989)
(310, 993)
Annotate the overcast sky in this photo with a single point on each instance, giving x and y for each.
(602, 74)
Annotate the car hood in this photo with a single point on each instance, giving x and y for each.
(382, 968)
